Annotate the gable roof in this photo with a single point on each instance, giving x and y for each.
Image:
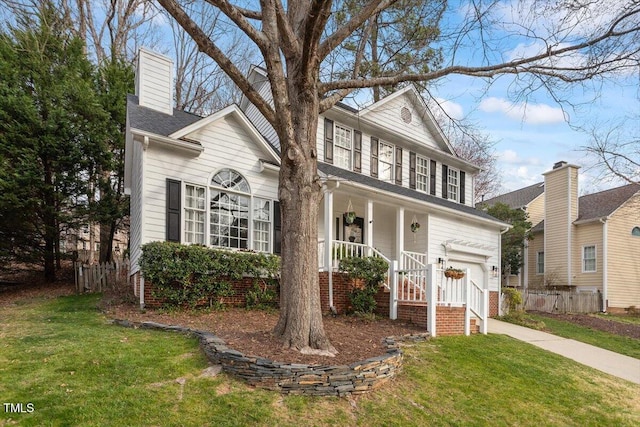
(600, 205)
(153, 121)
(519, 198)
(359, 178)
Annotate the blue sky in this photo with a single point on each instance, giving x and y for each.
(533, 133)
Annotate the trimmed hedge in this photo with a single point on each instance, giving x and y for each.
(190, 275)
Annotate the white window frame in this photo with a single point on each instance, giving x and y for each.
(206, 214)
(585, 259)
(190, 236)
(453, 174)
(342, 143)
(539, 262)
(259, 244)
(391, 178)
(422, 179)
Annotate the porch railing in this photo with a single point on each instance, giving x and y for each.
(413, 260)
(478, 304)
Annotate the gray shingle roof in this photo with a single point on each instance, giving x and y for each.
(153, 121)
(518, 198)
(604, 203)
(403, 191)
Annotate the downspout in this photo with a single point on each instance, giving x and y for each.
(500, 313)
(328, 242)
(605, 269)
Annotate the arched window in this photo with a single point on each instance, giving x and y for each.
(635, 231)
(229, 210)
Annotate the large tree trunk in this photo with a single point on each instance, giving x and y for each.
(300, 323)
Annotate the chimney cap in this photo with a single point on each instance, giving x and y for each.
(559, 164)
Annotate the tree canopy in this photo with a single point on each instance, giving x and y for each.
(512, 241)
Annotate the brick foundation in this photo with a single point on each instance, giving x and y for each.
(494, 304)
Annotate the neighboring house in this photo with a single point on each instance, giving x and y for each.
(589, 243)
(213, 180)
(79, 241)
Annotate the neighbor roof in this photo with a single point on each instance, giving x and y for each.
(604, 203)
(519, 198)
(153, 121)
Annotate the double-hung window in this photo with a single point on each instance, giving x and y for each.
(261, 225)
(422, 174)
(194, 213)
(343, 147)
(385, 162)
(453, 184)
(588, 259)
(540, 262)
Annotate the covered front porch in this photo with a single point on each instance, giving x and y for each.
(358, 223)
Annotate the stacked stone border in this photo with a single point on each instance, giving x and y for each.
(291, 378)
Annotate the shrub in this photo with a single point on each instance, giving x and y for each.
(263, 295)
(513, 297)
(190, 275)
(371, 270)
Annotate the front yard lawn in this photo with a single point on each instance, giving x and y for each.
(620, 344)
(75, 368)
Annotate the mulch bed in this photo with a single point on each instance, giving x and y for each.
(598, 323)
(249, 332)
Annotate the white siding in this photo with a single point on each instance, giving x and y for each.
(226, 145)
(135, 206)
(388, 116)
(154, 81)
(443, 228)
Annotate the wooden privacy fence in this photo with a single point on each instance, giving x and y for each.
(97, 277)
(562, 301)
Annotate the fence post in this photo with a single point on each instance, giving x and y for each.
(393, 290)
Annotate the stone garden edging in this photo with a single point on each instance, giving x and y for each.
(291, 378)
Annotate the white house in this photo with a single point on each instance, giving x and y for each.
(213, 181)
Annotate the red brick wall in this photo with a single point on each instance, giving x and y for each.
(449, 320)
(413, 313)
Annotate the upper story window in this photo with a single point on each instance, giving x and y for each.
(385, 162)
(422, 174)
(453, 184)
(343, 147)
(588, 259)
(635, 231)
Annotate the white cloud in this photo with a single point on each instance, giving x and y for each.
(524, 112)
(453, 109)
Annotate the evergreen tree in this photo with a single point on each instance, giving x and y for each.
(51, 135)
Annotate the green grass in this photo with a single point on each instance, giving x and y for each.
(634, 320)
(619, 344)
(63, 356)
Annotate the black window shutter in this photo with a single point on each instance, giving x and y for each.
(277, 228)
(432, 177)
(328, 140)
(398, 166)
(412, 170)
(173, 210)
(462, 188)
(445, 181)
(357, 151)
(374, 157)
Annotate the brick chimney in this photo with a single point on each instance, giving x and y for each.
(561, 210)
(154, 81)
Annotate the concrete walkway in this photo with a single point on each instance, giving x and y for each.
(607, 361)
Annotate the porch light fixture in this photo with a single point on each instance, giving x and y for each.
(494, 269)
(441, 262)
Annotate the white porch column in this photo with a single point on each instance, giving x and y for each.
(399, 235)
(368, 225)
(432, 298)
(328, 242)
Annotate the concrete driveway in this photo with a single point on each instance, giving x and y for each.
(603, 360)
